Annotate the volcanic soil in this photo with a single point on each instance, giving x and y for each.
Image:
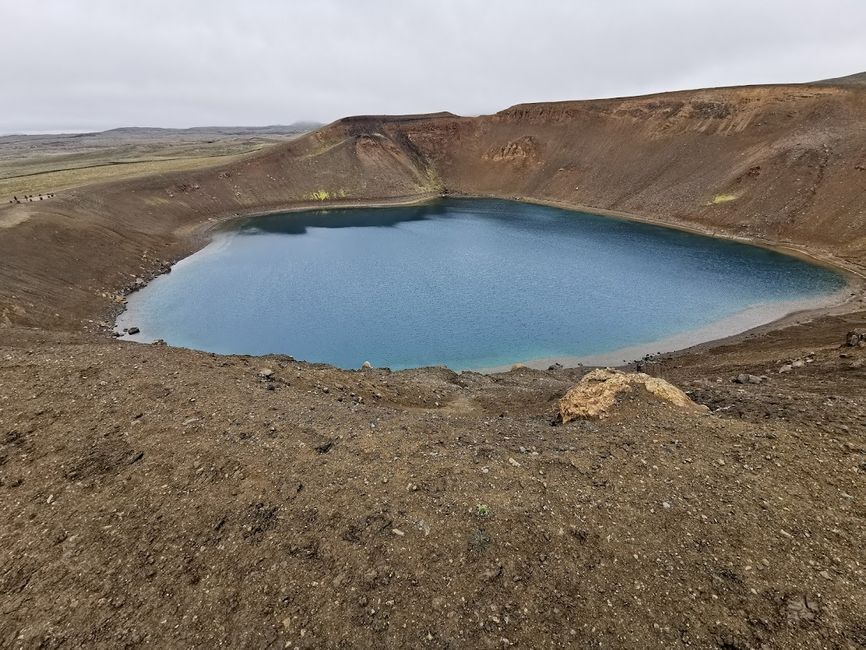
(153, 496)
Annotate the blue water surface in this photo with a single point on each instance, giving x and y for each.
(464, 283)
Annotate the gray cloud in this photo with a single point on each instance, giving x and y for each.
(94, 64)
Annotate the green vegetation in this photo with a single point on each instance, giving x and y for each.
(33, 165)
(44, 173)
(483, 510)
(723, 198)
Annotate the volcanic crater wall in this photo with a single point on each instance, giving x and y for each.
(773, 163)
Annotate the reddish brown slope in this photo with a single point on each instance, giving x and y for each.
(794, 158)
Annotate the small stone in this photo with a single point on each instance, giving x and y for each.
(398, 532)
(666, 505)
(266, 373)
(786, 368)
(745, 378)
(797, 364)
(513, 462)
(801, 608)
(133, 330)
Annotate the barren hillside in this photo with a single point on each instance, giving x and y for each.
(160, 497)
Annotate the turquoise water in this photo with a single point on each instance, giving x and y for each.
(464, 283)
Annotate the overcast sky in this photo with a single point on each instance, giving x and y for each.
(96, 64)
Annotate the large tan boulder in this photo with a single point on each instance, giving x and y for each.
(596, 394)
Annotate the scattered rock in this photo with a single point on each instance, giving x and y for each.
(786, 368)
(133, 330)
(596, 394)
(745, 378)
(800, 608)
(266, 373)
(493, 572)
(856, 338)
(555, 366)
(325, 447)
(798, 363)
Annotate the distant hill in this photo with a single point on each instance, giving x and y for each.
(137, 143)
(858, 79)
(144, 133)
(221, 131)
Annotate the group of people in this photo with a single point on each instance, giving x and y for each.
(31, 197)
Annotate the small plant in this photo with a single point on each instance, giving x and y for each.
(483, 510)
(479, 540)
(320, 195)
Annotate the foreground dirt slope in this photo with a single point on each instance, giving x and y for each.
(157, 497)
(162, 497)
